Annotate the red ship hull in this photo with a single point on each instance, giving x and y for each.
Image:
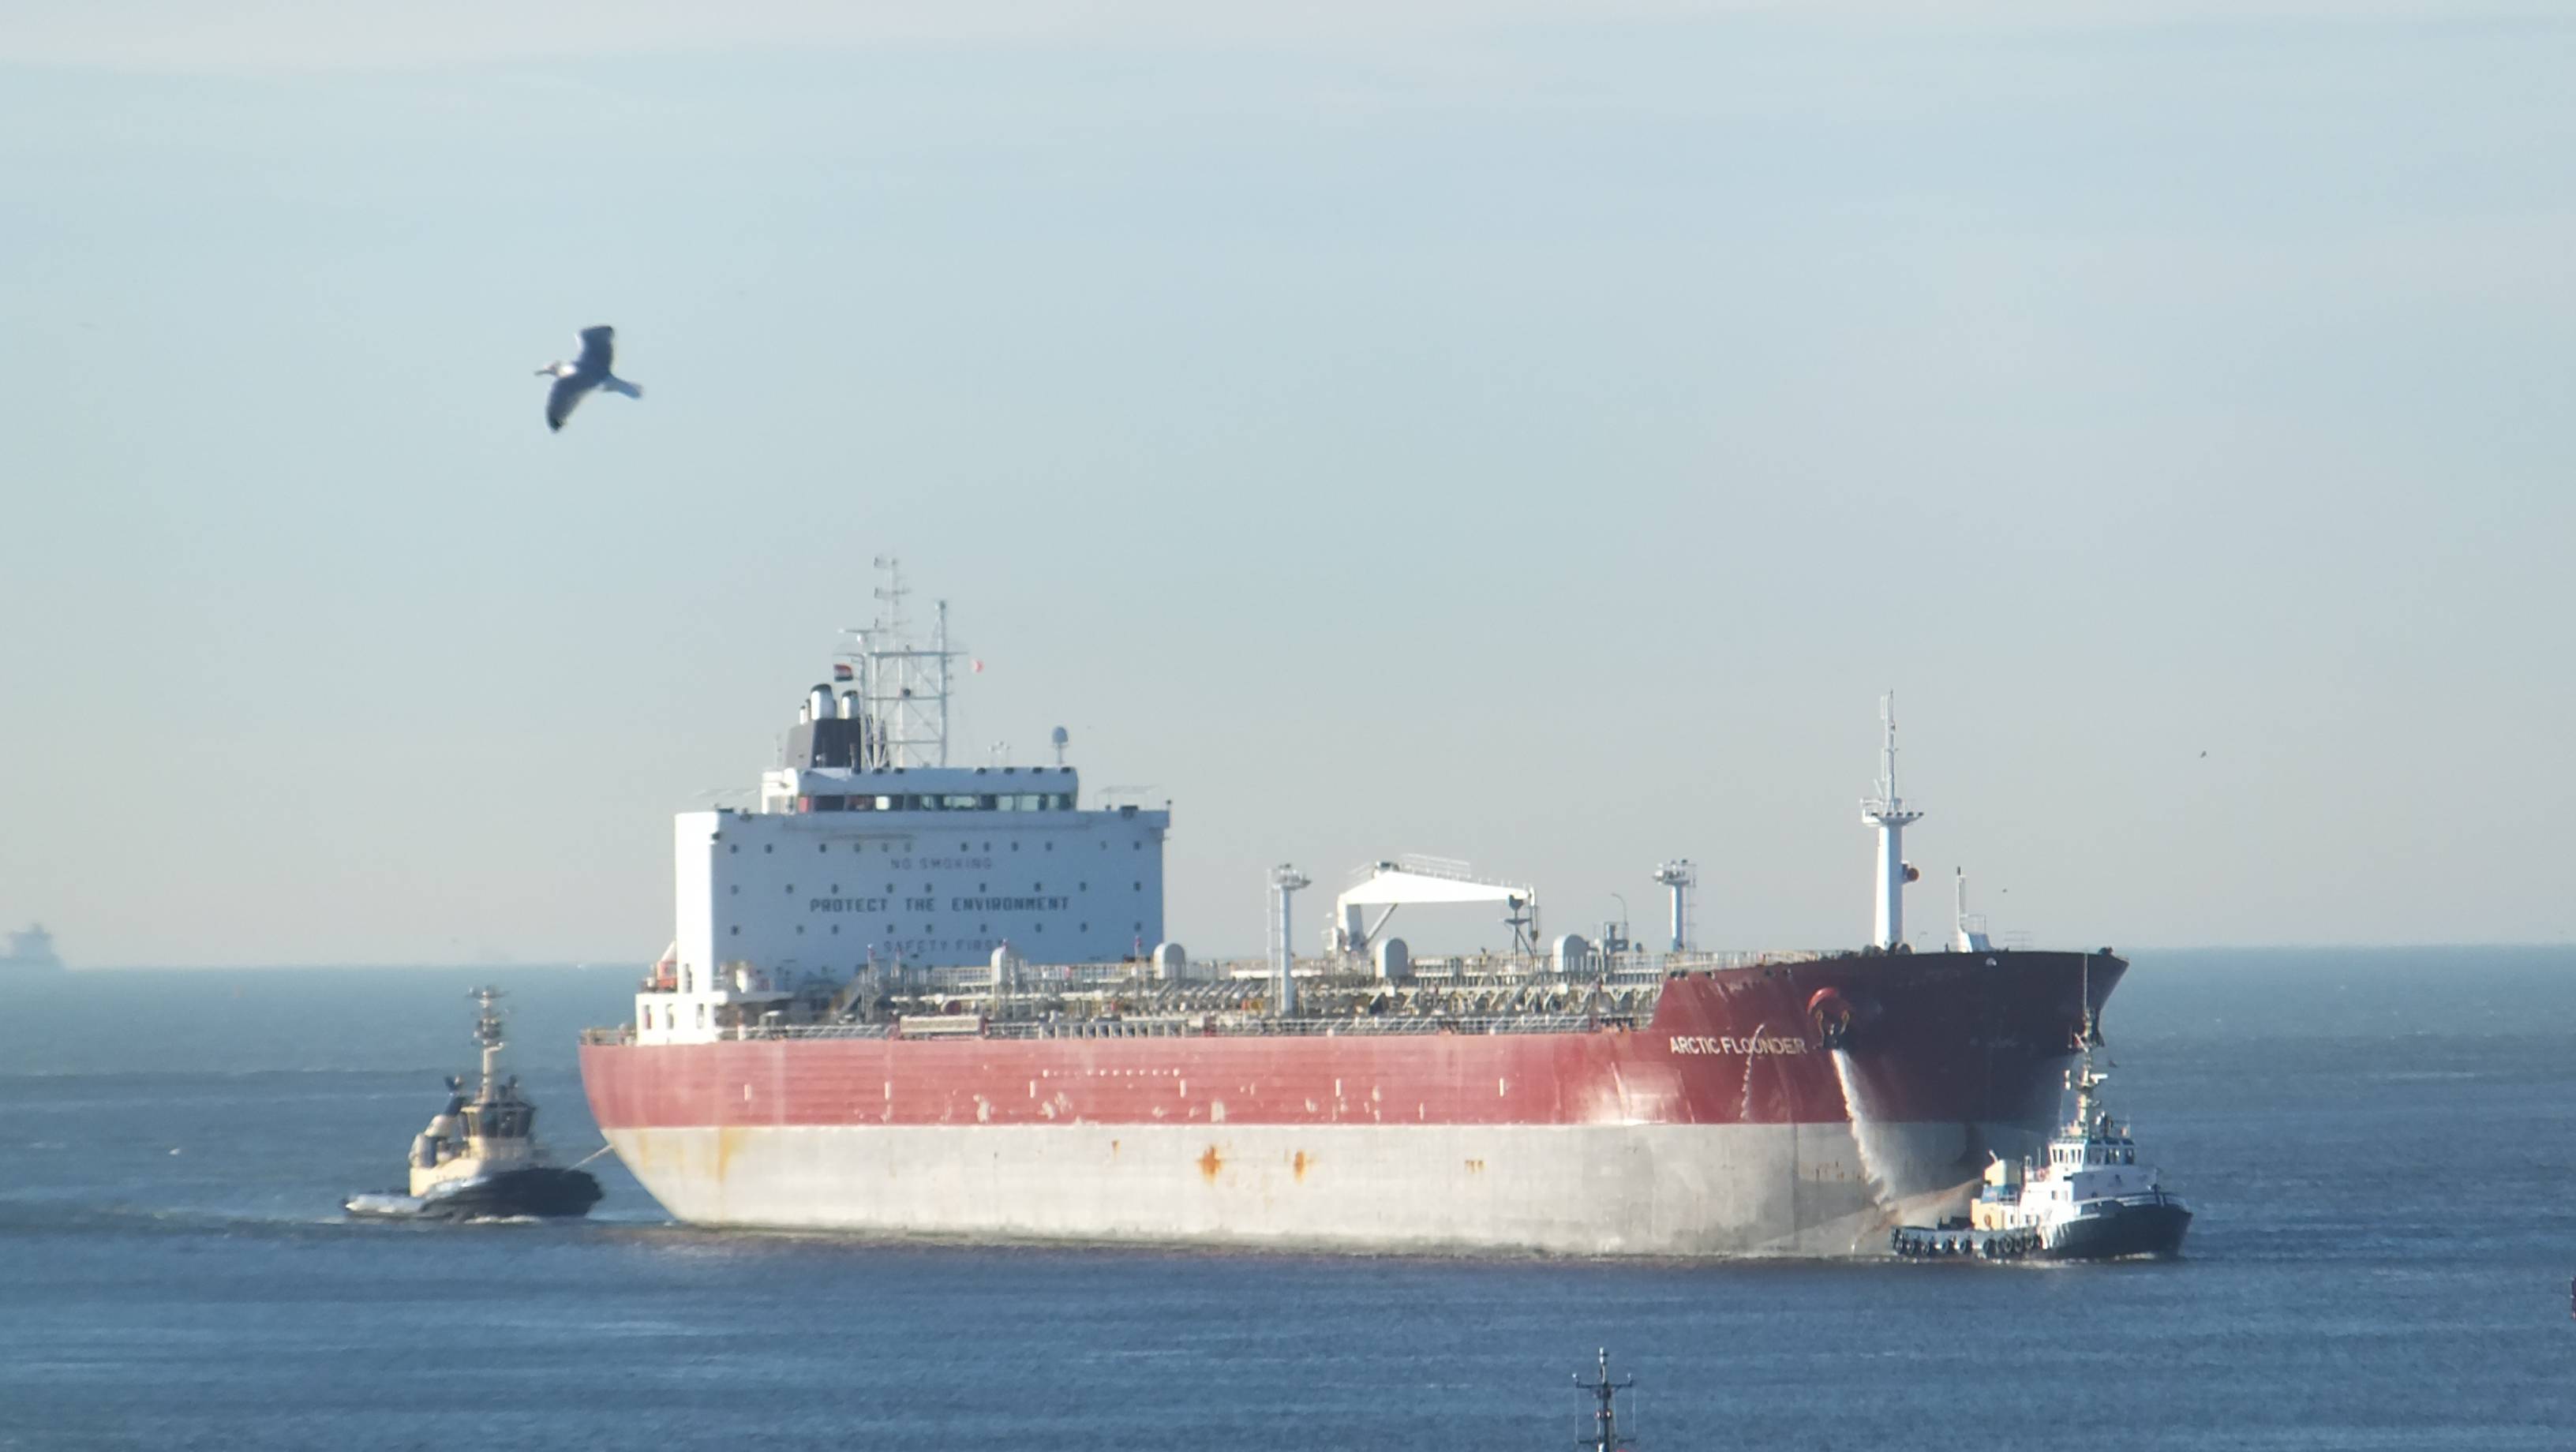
(1797, 1108)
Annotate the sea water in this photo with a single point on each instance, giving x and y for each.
(2377, 1144)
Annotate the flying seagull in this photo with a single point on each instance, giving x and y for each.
(576, 378)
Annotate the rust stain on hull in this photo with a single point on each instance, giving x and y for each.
(1210, 1163)
(730, 1139)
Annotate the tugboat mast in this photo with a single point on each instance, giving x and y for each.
(1605, 1414)
(487, 1033)
(2081, 1078)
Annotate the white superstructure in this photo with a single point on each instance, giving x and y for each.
(868, 865)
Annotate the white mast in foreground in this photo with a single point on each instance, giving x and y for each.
(1887, 812)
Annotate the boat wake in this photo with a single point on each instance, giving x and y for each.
(1867, 1136)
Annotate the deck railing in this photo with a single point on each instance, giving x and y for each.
(1196, 1026)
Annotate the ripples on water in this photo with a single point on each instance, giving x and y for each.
(2376, 1144)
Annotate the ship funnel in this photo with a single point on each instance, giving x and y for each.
(818, 703)
(849, 705)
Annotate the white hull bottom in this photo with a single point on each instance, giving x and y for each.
(1651, 1190)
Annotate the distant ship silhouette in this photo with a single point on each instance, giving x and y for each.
(32, 948)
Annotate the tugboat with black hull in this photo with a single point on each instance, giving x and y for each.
(479, 1158)
(2090, 1199)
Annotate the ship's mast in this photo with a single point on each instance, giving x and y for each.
(1284, 884)
(1968, 929)
(1605, 1413)
(1887, 812)
(2081, 1078)
(1679, 877)
(903, 687)
(940, 653)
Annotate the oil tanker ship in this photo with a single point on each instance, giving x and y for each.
(913, 998)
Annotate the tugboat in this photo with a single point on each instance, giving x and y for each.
(2091, 1199)
(479, 1158)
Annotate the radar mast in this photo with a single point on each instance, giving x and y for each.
(903, 687)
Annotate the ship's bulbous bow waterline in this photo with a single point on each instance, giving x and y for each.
(1722, 1125)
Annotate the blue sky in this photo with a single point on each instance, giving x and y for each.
(1532, 435)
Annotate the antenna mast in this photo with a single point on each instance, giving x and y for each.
(903, 687)
(488, 1037)
(1887, 812)
(939, 652)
